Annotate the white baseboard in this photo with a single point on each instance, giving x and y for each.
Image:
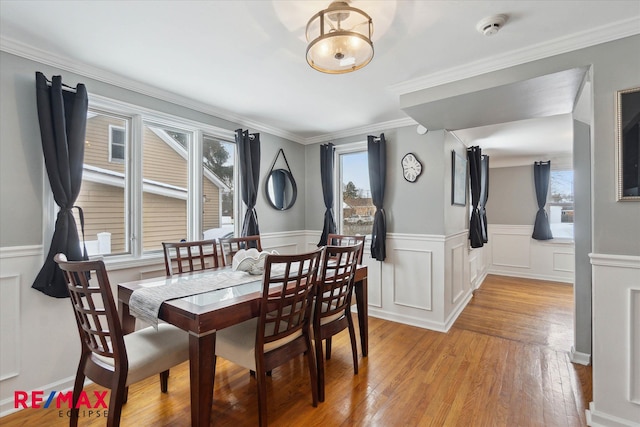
(524, 275)
(599, 419)
(64, 385)
(479, 280)
(408, 320)
(579, 358)
(455, 313)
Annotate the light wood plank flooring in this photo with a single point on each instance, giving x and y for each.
(504, 363)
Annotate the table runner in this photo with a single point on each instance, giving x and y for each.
(145, 302)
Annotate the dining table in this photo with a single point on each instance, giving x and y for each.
(202, 314)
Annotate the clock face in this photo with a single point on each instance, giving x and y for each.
(411, 167)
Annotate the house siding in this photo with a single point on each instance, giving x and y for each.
(103, 207)
(164, 217)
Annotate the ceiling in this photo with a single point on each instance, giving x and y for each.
(245, 60)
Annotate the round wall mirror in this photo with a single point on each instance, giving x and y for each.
(281, 189)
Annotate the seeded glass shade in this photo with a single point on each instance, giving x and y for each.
(339, 39)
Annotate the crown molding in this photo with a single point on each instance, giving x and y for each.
(63, 63)
(360, 130)
(38, 55)
(607, 33)
(576, 41)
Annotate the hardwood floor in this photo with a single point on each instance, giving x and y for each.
(504, 363)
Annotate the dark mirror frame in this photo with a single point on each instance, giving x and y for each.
(287, 183)
(628, 144)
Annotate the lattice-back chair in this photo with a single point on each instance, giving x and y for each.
(345, 240)
(231, 245)
(182, 257)
(108, 357)
(282, 331)
(332, 307)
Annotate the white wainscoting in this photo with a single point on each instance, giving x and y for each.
(514, 253)
(425, 280)
(39, 346)
(616, 339)
(412, 278)
(9, 326)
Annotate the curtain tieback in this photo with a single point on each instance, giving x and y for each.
(84, 246)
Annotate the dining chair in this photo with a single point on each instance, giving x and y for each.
(282, 331)
(332, 306)
(190, 256)
(108, 357)
(231, 245)
(346, 240)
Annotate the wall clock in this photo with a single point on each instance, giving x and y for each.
(411, 167)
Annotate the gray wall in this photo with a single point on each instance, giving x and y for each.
(512, 196)
(582, 236)
(272, 220)
(456, 218)
(615, 66)
(22, 167)
(414, 208)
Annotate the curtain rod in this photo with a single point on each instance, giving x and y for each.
(64, 86)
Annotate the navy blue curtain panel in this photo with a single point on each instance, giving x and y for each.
(62, 114)
(326, 176)
(484, 196)
(541, 176)
(474, 157)
(377, 151)
(249, 162)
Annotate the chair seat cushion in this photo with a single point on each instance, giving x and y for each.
(328, 319)
(151, 352)
(237, 343)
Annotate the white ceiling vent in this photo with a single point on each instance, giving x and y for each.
(491, 24)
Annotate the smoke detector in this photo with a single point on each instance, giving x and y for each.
(491, 24)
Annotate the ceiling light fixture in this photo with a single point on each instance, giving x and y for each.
(339, 39)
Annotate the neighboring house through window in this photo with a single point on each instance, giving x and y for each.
(150, 177)
(353, 204)
(117, 138)
(560, 204)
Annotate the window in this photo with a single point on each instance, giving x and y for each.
(218, 172)
(164, 185)
(117, 138)
(149, 177)
(355, 209)
(102, 194)
(560, 202)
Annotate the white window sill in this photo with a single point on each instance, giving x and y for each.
(123, 262)
(559, 241)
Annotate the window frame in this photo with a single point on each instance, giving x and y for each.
(113, 128)
(338, 199)
(137, 116)
(550, 203)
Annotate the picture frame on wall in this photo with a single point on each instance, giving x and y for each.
(458, 179)
(628, 144)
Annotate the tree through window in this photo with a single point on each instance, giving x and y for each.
(356, 209)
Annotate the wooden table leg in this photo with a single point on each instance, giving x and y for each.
(202, 372)
(127, 321)
(362, 303)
